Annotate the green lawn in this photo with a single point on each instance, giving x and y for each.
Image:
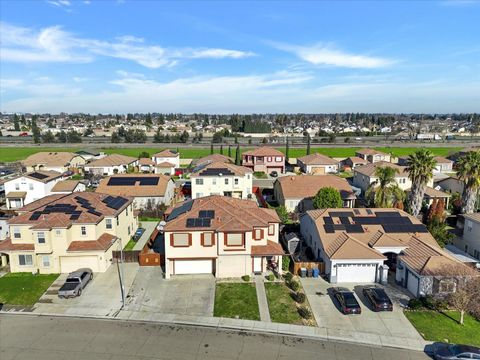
(147, 218)
(236, 300)
(281, 305)
(436, 326)
(129, 245)
(12, 154)
(24, 288)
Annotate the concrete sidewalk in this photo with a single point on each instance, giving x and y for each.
(262, 299)
(149, 227)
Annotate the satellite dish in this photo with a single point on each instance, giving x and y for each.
(160, 225)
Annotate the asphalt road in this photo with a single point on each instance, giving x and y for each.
(33, 337)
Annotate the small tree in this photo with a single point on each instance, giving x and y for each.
(287, 151)
(221, 149)
(237, 155)
(282, 213)
(229, 151)
(460, 301)
(264, 140)
(308, 144)
(211, 148)
(143, 154)
(327, 197)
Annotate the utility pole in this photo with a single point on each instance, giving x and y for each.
(120, 275)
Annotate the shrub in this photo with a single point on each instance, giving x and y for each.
(441, 305)
(294, 285)
(304, 312)
(288, 276)
(246, 278)
(415, 304)
(270, 277)
(285, 263)
(428, 302)
(300, 297)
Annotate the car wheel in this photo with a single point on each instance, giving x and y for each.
(91, 276)
(79, 292)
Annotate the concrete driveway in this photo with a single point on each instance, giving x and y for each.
(180, 295)
(101, 297)
(327, 314)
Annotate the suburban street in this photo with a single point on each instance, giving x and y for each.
(37, 337)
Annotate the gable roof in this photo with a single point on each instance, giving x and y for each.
(112, 160)
(230, 214)
(65, 185)
(306, 186)
(202, 170)
(264, 151)
(356, 160)
(369, 169)
(135, 188)
(167, 153)
(442, 160)
(317, 159)
(369, 151)
(43, 176)
(212, 158)
(49, 159)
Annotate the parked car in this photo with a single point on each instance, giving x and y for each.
(346, 299)
(75, 283)
(452, 352)
(138, 234)
(378, 298)
(274, 174)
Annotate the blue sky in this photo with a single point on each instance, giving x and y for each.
(224, 57)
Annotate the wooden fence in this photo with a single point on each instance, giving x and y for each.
(130, 256)
(149, 259)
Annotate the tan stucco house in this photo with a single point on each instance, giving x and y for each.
(53, 161)
(62, 233)
(223, 236)
(264, 159)
(318, 164)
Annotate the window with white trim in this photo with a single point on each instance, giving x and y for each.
(58, 232)
(25, 260)
(108, 224)
(235, 181)
(226, 181)
(16, 233)
(41, 237)
(199, 181)
(46, 261)
(83, 230)
(214, 181)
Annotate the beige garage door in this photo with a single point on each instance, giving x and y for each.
(72, 263)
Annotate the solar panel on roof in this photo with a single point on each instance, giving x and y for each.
(344, 220)
(341, 213)
(80, 199)
(117, 203)
(74, 216)
(180, 210)
(93, 212)
(38, 176)
(210, 214)
(150, 181)
(369, 212)
(216, 172)
(35, 216)
(387, 214)
(329, 229)
(198, 222)
(354, 228)
(328, 220)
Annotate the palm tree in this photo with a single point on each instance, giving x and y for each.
(468, 169)
(420, 167)
(385, 192)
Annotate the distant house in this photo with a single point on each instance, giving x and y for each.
(372, 155)
(90, 154)
(451, 184)
(218, 158)
(167, 156)
(317, 164)
(296, 193)
(352, 162)
(218, 178)
(469, 240)
(68, 186)
(363, 176)
(53, 161)
(264, 159)
(432, 194)
(363, 245)
(444, 165)
(30, 187)
(111, 164)
(146, 165)
(222, 236)
(147, 190)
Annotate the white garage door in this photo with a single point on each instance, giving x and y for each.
(412, 284)
(183, 267)
(361, 273)
(72, 263)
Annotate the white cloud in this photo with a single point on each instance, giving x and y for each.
(59, 3)
(53, 44)
(327, 55)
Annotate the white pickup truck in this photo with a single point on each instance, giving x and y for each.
(75, 283)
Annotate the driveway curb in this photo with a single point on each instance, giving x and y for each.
(251, 326)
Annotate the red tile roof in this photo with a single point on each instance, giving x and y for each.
(103, 243)
(6, 245)
(272, 248)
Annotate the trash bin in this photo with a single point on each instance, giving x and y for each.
(316, 273)
(310, 273)
(303, 272)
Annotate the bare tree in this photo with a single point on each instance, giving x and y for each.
(460, 301)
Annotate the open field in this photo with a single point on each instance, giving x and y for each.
(444, 326)
(8, 154)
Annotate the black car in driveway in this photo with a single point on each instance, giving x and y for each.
(378, 298)
(347, 300)
(452, 352)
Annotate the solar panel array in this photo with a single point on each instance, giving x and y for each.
(67, 209)
(209, 214)
(216, 172)
(391, 222)
(198, 222)
(114, 202)
(38, 176)
(180, 210)
(132, 180)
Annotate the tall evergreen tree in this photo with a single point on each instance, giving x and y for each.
(16, 125)
(237, 155)
(221, 149)
(211, 148)
(229, 151)
(308, 144)
(35, 130)
(287, 151)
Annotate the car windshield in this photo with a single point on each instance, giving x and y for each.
(72, 280)
(350, 300)
(380, 295)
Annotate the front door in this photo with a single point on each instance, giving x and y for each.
(257, 264)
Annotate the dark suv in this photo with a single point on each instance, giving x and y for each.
(347, 300)
(378, 298)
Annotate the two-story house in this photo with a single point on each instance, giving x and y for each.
(111, 164)
(318, 164)
(372, 155)
(264, 159)
(147, 190)
(62, 233)
(166, 161)
(29, 187)
(53, 161)
(443, 165)
(218, 178)
(364, 176)
(222, 236)
(469, 241)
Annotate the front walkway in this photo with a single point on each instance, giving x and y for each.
(262, 299)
